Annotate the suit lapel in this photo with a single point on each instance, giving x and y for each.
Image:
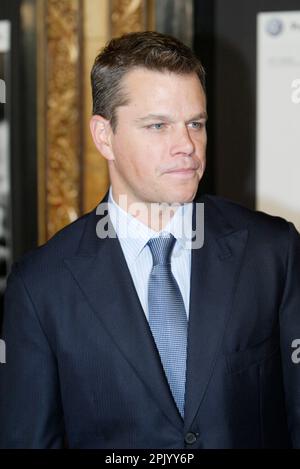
(214, 275)
(101, 272)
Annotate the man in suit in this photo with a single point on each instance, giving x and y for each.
(121, 331)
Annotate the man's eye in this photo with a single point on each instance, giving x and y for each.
(197, 125)
(157, 126)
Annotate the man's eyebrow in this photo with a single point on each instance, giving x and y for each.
(166, 118)
(201, 115)
(160, 117)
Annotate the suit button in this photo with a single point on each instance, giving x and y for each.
(190, 438)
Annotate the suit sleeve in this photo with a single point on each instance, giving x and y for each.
(290, 332)
(30, 408)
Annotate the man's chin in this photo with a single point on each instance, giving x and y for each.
(182, 196)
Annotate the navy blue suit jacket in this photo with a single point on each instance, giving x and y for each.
(82, 368)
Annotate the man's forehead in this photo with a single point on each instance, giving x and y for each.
(147, 92)
(158, 86)
(156, 76)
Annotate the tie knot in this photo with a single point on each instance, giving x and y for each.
(161, 249)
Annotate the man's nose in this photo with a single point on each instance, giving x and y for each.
(182, 142)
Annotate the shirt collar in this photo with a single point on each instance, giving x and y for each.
(134, 235)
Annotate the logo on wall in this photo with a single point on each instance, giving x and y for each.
(274, 26)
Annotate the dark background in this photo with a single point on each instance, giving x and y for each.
(21, 92)
(21, 108)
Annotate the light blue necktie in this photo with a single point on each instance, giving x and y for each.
(167, 317)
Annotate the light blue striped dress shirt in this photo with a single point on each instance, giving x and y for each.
(134, 235)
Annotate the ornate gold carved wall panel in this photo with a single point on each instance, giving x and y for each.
(131, 15)
(60, 103)
(127, 16)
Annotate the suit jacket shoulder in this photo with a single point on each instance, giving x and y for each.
(267, 227)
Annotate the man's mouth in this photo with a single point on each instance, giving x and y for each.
(182, 171)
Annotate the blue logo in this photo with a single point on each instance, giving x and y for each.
(274, 26)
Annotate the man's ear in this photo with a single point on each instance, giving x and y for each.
(101, 132)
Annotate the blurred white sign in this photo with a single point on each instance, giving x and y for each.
(4, 36)
(278, 114)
